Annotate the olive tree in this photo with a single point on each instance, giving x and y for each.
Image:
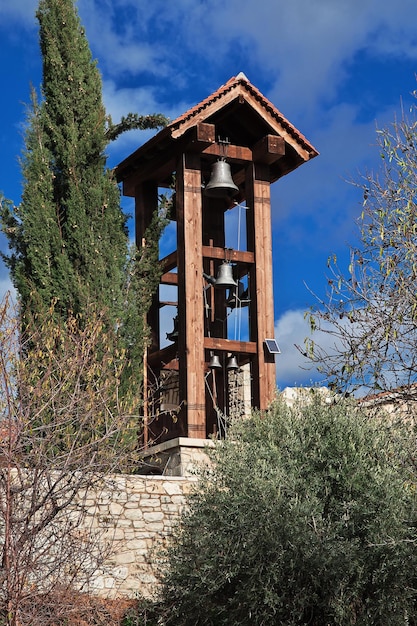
(305, 518)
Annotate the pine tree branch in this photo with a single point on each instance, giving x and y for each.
(134, 121)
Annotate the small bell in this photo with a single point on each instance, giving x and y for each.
(221, 183)
(173, 336)
(232, 364)
(225, 278)
(214, 363)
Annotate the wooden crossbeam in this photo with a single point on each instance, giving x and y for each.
(235, 256)
(235, 154)
(164, 358)
(169, 262)
(201, 136)
(229, 345)
(169, 278)
(268, 149)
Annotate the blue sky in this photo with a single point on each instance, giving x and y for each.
(337, 69)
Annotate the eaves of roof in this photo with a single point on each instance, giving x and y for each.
(232, 84)
(236, 86)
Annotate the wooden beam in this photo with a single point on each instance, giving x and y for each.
(190, 293)
(169, 278)
(230, 345)
(146, 203)
(262, 305)
(172, 365)
(162, 358)
(163, 303)
(159, 169)
(235, 154)
(169, 262)
(200, 139)
(235, 256)
(201, 136)
(268, 149)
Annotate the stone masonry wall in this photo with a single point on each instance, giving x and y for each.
(135, 516)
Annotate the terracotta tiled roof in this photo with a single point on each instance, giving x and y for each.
(237, 88)
(232, 83)
(407, 392)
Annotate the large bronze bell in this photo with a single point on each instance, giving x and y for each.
(225, 278)
(221, 183)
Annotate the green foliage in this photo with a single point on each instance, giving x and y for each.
(144, 613)
(68, 240)
(133, 121)
(307, 518)
(142, 274)
(371, 310)
(68, 237)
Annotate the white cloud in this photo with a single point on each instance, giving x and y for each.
(117, 32)
(304, 46)
(303, 50)
(291, 329)
(142, 100)
(332, 204)
(341, 148)
(292, 368)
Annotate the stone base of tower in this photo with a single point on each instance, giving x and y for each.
(177, 457)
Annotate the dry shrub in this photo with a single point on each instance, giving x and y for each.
(62, 428)
(66, 607)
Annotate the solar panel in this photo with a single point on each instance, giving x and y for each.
(272, 346)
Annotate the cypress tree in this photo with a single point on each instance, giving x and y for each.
(68, 238)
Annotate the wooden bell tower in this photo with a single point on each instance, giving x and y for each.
(216, 361)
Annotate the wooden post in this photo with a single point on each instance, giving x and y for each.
(190, 293)
(258, 200)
